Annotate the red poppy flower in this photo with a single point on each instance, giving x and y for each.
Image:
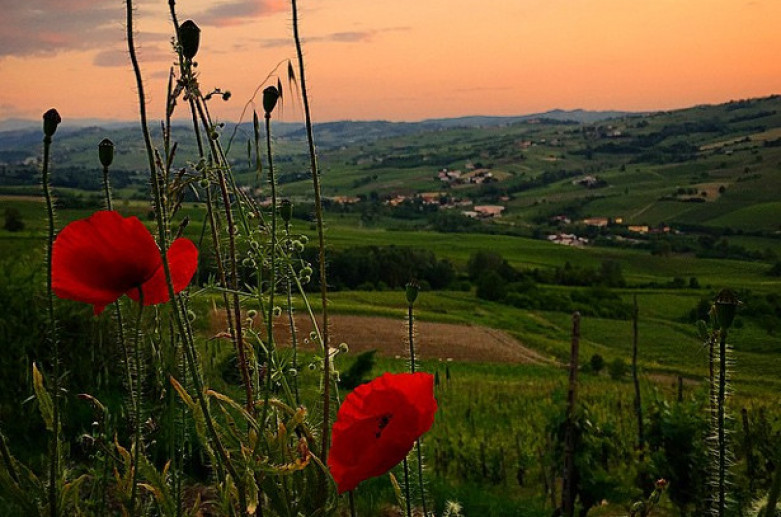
(378, 424)
(98, 259)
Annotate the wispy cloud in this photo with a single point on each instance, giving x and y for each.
(113, 58)
(335, 37)
(48, 27)
(237, 12)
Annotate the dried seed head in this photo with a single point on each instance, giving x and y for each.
(51, 119)
(189, 38)
(106, 152)
(726, 307)
(270, 98)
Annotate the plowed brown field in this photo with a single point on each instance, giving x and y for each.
(389, 337)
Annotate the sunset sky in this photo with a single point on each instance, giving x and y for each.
(400, 59)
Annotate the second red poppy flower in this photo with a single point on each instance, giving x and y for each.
(98, 259)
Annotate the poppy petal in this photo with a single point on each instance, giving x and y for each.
(182, 262)
(97, 259)
(377, 425)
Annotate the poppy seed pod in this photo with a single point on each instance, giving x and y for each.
(726, 307)
(189, 38)
(270, 97)
(412, 290)
(106, 152)
(51, 119)
(286, 210)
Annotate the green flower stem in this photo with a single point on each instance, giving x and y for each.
(53, 337)
(406, 488)
(325, 435)
(272, 279)
(177, 311)
(137, 404)
(722, 501)
(117, 307)
(351, 498)
(107, 190)
(411, 327)
(292, 322)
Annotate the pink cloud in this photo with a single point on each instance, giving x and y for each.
(237, 12)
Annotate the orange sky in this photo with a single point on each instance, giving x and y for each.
(400, 60)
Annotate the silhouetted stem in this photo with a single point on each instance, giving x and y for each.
(53, 337)
(320, 241)
(161, 228)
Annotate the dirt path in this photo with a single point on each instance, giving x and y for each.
(389, 337)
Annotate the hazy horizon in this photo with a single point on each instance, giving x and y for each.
(400, 61)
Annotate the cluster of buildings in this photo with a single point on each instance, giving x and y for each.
(569, 239)
(471, 177)
(444, 201)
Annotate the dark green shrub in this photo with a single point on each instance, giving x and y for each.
(491, 286)
(597, 363)
(617, 369)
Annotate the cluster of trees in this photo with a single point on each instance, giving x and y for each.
(384, 267)
(497, 280)
(69, 176)
(764, 309)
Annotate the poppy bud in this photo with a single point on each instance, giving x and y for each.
(286, 210)
(270, 97)
(51, 119)
(726, 307)
(412, 290)
(106, 152)
(189, 38)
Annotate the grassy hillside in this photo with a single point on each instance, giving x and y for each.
(713, 166)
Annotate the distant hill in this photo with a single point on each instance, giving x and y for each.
(713, 166)
(329, 134)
